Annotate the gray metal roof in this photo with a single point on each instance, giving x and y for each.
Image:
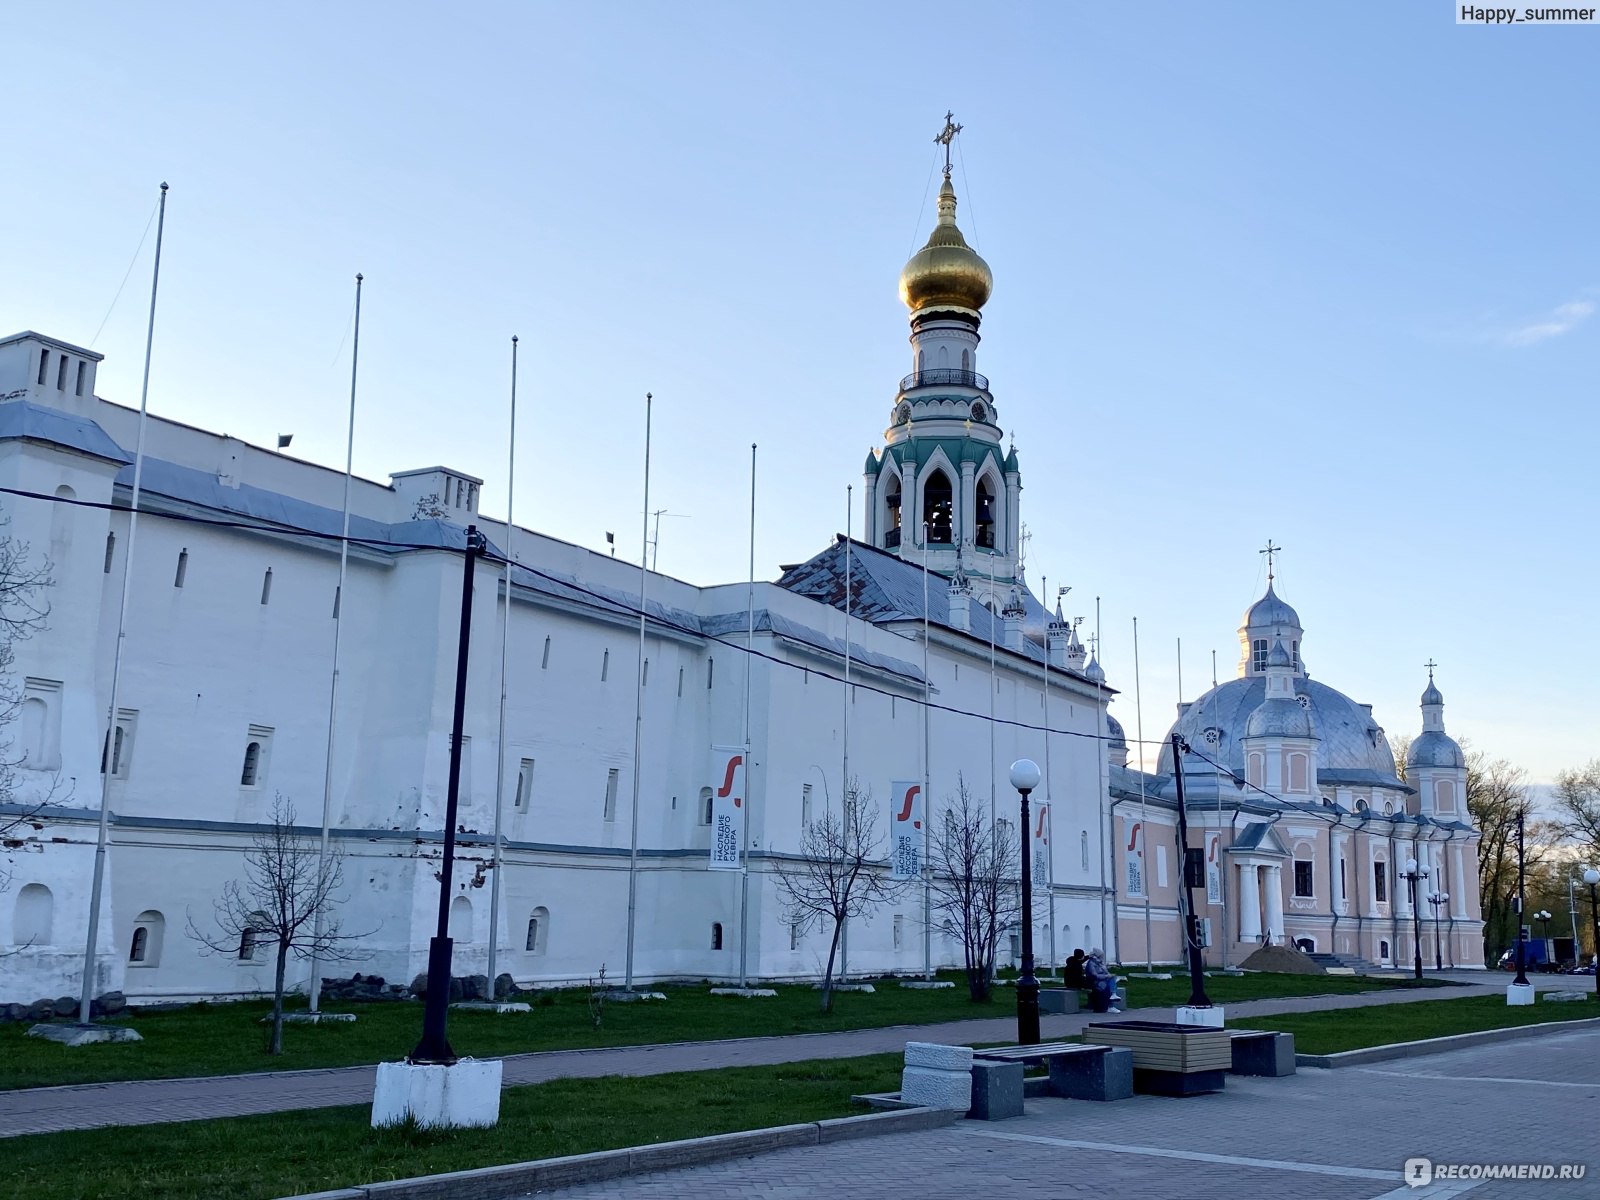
(23, 420)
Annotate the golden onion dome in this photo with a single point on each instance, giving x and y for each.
(946, 273)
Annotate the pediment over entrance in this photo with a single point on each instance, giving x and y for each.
(1259, 839)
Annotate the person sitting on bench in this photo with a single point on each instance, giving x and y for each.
(1072, 971)
(1102, 988)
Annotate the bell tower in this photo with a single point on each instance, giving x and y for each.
(943, 484)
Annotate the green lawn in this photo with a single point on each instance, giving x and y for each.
(1335, 1030)
(1226, 989)
(252, 1158)
(228, 1038)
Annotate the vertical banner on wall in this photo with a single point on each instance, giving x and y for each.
(1041, 845)
(1135, 857)
(727, 806)
(905, 829)
(1214, 868)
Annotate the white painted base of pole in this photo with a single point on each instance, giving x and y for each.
(1211, 1017)
(461, 1096)
(1519, 993)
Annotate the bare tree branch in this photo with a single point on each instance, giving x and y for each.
(973, 883)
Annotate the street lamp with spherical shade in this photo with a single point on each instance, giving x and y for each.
(1438, 900)
(1025, 776)
(1413, 875)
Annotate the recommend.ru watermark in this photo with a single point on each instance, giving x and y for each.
(1472, 14)
(1420, 1172)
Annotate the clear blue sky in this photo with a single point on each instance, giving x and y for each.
(1324, 273)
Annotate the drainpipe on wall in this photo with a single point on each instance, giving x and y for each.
(1334, 873)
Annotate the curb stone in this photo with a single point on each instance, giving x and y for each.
(517, 1179)
(1439, 1045)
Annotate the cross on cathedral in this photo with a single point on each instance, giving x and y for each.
(1269, 552)
(946, 136)
(1094, 642)
(1430, 664)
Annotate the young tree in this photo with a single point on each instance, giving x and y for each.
(1496, 792)
(288, 885)
(838, 875)
(973, 882)
(23, 612)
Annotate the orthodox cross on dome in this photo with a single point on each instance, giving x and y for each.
(1094, 642)
(1430, 664)
(946, 136)
(1269, 552)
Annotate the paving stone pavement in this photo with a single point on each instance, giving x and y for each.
(92, 1106)
(1340, 1135)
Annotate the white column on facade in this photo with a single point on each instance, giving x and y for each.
(1340, 884)
(1458, 883)
(1274, 898)
(1249, 903)
(910, 505)
(967, 524)
(1402, 887)
(1013, 514)
(871, 531)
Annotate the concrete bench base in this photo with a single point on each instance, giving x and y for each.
(1178, 1083)
(996, 1090)
(1105, 1076)
(1058, 1000)
(1266, 1053)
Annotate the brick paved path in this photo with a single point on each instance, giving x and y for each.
(1339, 1135)
(91, 1106)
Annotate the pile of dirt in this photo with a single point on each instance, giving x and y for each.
(1283, 960)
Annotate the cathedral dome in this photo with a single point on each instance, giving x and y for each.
(1432, 695)
(1434, 748)
(1351, 747)
(1118, 740)
(1280, 717)
(946, 273)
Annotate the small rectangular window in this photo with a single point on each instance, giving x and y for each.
(61, 375)
(680, 682)
(183, 568)
(611, 795)
(711, 672)
(524, 784)
(644, 674)
(1304, 879)
(44, 365)
(1380, 882)
(805, 807)
(266, 586)
(121, 748)
(83, 371)
(605, 665)
(544, 663)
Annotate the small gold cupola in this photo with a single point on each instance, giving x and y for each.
(946, 273)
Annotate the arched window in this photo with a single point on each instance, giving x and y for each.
(149, 928)
(1086, 938)
(61, 519)
(705, 806)
(32, 721)
(252, 765)
(716, 935)
(1306, 945)
(1383, 949)
(938, 508)
(966, 361)
(985, 514)
(892, 513)
(461, 921)
(253, 935)
(538, 930)
(35, 914)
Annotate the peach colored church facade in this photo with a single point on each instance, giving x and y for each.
(1303, 823)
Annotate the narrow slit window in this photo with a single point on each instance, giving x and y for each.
(336, 599)
(61, 375)
(252, 765)
(605, 665)
(680, 682)
(266, 587)
(711, 672)
(83, 373)
(44, 365)
(544, 663)
(183, 568)
(644, 674)
(111, 550)
(716, 935)
(611, 795)
(524, 784)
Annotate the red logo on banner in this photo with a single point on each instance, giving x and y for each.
(727, 781)
(905, 811)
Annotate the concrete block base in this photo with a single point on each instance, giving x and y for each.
(1579, 997)
(930, 985)
(848, 987)
(1519, 993)
(463, 1095)
(625, 997)
(313, 1018)
(1209, 1017)
(928, 1088)
(1179, 1083)
(744, 993)
(1267, 1054)
(495, 1006)
(84, 1035)
(1107, 1076)
(996, 1091)
(1058, 1000)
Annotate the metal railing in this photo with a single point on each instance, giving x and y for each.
(944, 377)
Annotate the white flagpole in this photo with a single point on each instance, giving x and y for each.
(844, 812)
(638, 707)
(927, 784)
(505, 667)
(1144, 827)
(1102, 804)
(110, 752)
(1050, 847)
(315, 988)
(749, 655)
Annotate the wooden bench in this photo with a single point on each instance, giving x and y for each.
(1168, 1059)
(1077, 1071)
(1266, 1052)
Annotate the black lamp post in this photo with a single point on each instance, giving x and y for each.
(1413, 875)
(1522, 954)
(1191, 922)
(1025, 776)
(1543, 917)
(1438, 900)
(1592, 877)
(434, 1047)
